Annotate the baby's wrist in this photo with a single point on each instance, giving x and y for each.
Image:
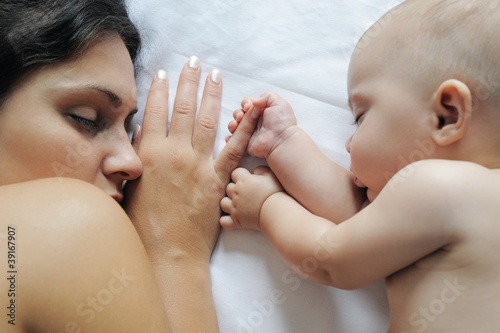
(268, 211)
(285, 141)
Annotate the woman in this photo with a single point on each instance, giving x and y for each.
(74, 261)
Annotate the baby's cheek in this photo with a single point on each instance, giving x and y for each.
(358, 153)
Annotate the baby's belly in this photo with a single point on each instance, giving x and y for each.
(442, 301)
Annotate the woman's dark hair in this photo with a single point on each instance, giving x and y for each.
(38, 33)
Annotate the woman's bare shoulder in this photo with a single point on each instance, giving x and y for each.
(51, 198)
(48, 188)
(76, 255)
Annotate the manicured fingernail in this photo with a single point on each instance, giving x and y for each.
(162, 75)
(135, 133)
(215, 76)
(194, 62)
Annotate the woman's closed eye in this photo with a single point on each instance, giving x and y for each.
(84, 121)
(87, 124)
(85, 117)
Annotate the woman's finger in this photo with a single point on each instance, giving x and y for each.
(136, 137)
(185, 103)
(205, 129)
(233, 151)
(156, 111)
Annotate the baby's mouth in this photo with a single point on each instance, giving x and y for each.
(358, 182)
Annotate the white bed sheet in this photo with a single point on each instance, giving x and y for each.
(299, 49)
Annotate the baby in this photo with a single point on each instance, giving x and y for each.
(419, 206)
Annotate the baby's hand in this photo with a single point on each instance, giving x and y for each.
(277, 116)
(245, 197)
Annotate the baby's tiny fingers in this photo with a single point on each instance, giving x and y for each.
(246, 104)
(226, 204)
(239, 173)
(230, 190)
(227, 222)
(238, 114)
(232, 126)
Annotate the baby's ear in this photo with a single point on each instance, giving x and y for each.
(452, 109)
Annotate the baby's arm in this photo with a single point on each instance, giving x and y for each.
(308, 175)
(408, 221)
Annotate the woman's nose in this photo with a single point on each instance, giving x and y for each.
(123, 160)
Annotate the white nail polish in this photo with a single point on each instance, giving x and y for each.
(194, 62)
(215, 76)
(162, 75)
(135, 133)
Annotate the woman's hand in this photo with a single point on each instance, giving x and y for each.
(174, 205)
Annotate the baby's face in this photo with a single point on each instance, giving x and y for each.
(70, 120)
(393, 119)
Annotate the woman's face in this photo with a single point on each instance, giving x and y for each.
(70, 120)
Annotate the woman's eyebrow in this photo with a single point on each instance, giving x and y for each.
(113, 98)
